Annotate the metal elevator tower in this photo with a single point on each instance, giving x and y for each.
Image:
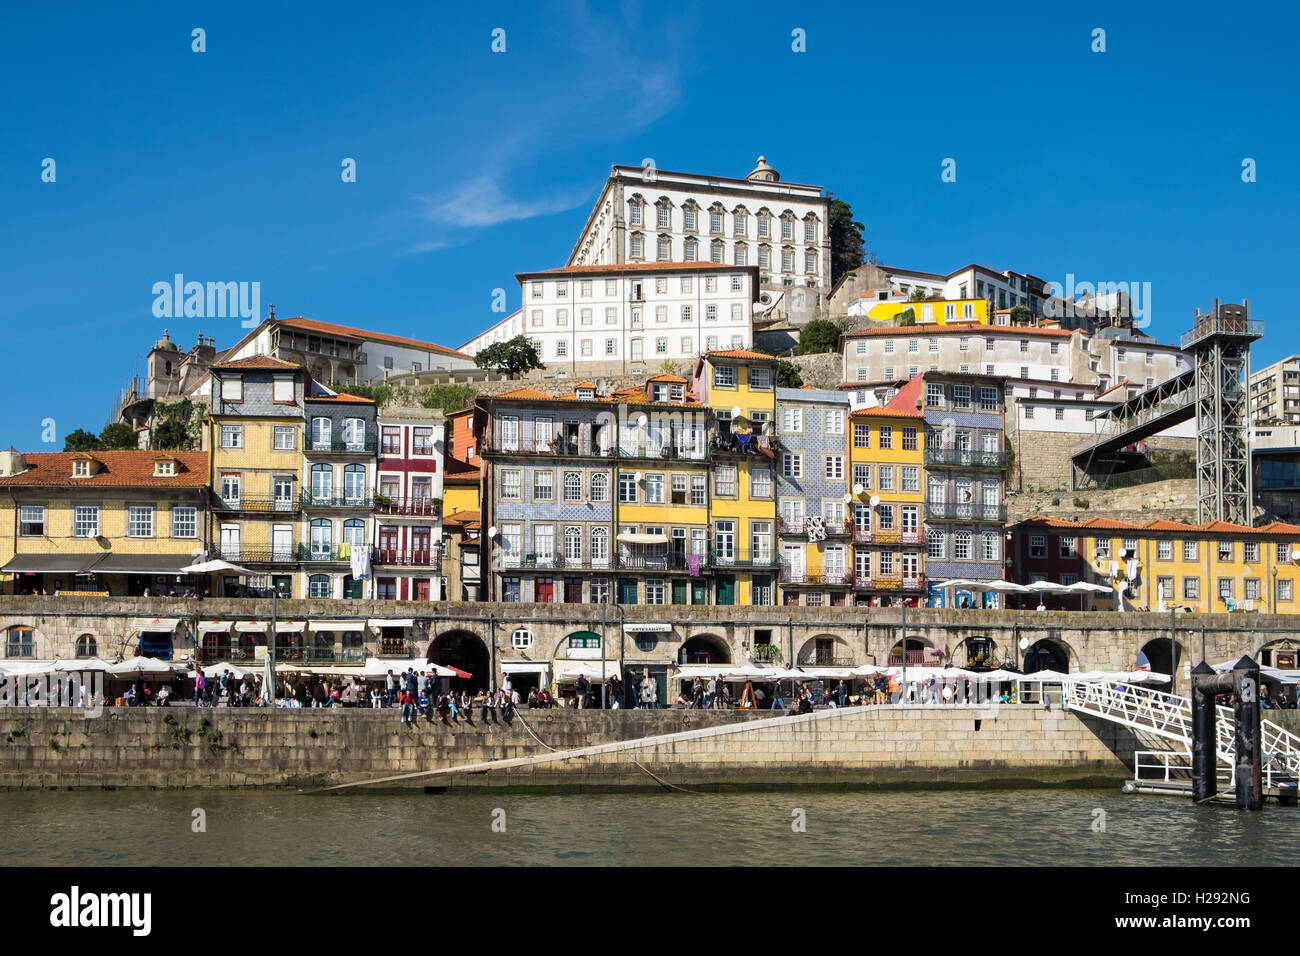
(1219, 344)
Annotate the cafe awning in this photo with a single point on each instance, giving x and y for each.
(569, 670)
(51, 563)
(320, 626)
(380, 666)
(378, 622)
(252, 627)
(143, 564)
(290, 627)
(214, 627)
(629, 537)
(524, 667)
(154, 623)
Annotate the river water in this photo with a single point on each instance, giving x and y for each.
(975, 827)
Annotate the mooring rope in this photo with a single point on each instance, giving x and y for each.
(663, 783)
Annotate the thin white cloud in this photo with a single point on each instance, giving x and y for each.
(479, 202)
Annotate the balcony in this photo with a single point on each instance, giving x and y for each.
(669, 452)
(824, 658)
(264, 504)
(898, 582)
(966, 457)
(735, 445)
(341, 446)
(659, 562)
(817, 579)
(965, 511)
(237, 555)
(892, 536)
(329, 655)
(922, 658)
(311, 499)
(802, 525)
(396, 648)
(408, 558)
(316, 554)
(555, 446)
(553, 562)
(412, 507)
(725, 558)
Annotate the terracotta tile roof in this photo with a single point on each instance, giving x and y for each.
(525, 392)
(329, 328)
(740, 354)
(674, 379)
(1161, 524)
(902, 405)
(1109, 524)
(1225, 527)
(463, 517)
(120, 469)
(1123, 383)
(340, 397)
(259, 362)
(588, 385)
(1280, 527)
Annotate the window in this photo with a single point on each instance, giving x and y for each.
(834, 467)
(31, 521)
(861, 435)
(910, 477)
(185, 521)
(711, 312)
(1250, 551)
(760, 482)
(611, 346)
(1226, 551)
(511, 484)
(724, 481)
(1192, 589)
(1164, 550)
(232, 436)
(232, 389)
(654, 490)
(834, 421)
(87, 646)
(543, 485)
(961, 546)
(627, 489)
(791, 419)
(760, 378)
(862, 476)
(791, 465)
(1191, 551)
(1284, 589)
(699, 489)
(1038, 546)
(19, 642)
(933, 395)
(320, 432)
(139, 521)
(961, 397)
(655, 591)
(724, 376)
(1069, 546)
(991, 546)
(572, 486)
(886, 436)
(885, 474)
(1225, 589)
(85, 521)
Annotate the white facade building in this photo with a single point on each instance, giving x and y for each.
(630, 318)
(645, 214)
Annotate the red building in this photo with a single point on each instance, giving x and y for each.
(407, 563)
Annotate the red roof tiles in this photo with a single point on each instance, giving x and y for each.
(119, 469)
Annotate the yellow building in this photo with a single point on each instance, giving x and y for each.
(887, 482)
(112, 522)
(255, 437)
(932, 312)
(739, 388)
(662, 494)
(1208, 568)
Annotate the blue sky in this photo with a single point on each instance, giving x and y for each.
(474, 165)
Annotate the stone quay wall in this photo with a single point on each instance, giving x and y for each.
(223, 748)
(1091, 640)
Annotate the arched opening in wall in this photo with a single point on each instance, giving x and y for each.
(1047, 655)
(87, 646)
(1281, 653)
(1162, 661)
(825, 650)
(464, 651)
(20, 641)
(918, 653)
(704, 649)
(976, 652)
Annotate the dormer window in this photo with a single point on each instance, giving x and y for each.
(586, 394)
(81, 468)
(232, 389)
(164, 468)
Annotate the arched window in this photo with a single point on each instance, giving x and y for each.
(87, 646)
(572, 486)
(600, 487)
(354, 646)
(318, 586)
(599, 545)
(354, 532)
(572, 544)
(354, 484)
(322, 483)
(692, 251)
(19, 642)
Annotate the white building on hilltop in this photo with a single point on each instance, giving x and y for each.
(644, 214)
(628, 319)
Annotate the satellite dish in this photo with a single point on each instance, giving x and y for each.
(858, 489)
(641, 421)
(1295, 555)
(1123, 552)
(600, 386)
(637, 477)
(1024, 643)
(492, 531)
(735, 411)
(847, 499)
(874, 500)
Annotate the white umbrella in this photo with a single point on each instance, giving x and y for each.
(868, 670)
(86, 664)
(1004, 587)
(957, 583)
(1045, 676)
(144, 666)
(216, 670)
(1047, 587)
(1087, 587)
(211, 567)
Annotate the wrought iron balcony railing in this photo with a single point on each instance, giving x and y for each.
(241, 555)
(408, 557)
(312, 499)
(817, 579)
(366, 446)
(966, 457)
(965, 511)
(259, 503)
(723, 558)
(416, 507)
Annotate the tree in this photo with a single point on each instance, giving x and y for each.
(918, 295)
(847, 250)
(512, 357)
(819, 335)
(177, 425)
(788, 375)
(449, 398)
(1020, 314)
(118, 436)
(81, 440)
(907, 316)
(380, 393)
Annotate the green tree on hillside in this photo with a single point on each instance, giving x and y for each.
(819, 335)
(513, 357)
(118, 436)
(81, 440)
(847, 249)
(788, 375)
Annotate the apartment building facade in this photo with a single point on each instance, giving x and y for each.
(1275, 393)
(409, 548)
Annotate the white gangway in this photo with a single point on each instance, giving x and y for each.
(1169, 716)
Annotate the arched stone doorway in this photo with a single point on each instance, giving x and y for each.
(976, 651)
(705, 649)
(1283, 653)
(1047, 655)
(464, 651)
(918, 653)
(825, 650)
(1163, 660)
